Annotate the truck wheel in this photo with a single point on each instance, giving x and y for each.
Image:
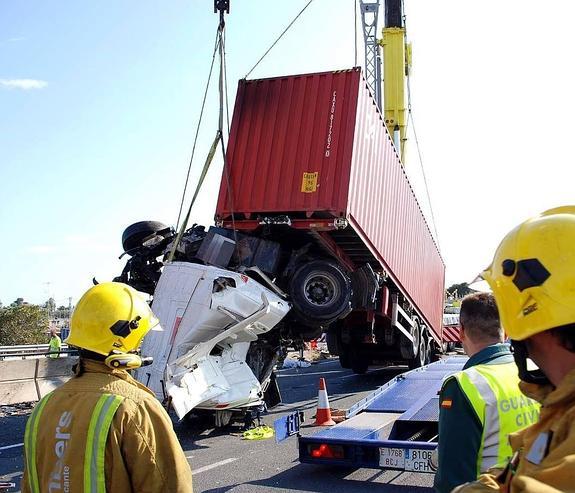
(136, 233)
(436, 351)
(344, 360)
(333, 345)
(320, 292)
(359, 365)
(428, 349)
(420, 358)
(410, 349)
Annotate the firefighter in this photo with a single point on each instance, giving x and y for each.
(102, 430)
(482, 404)
(533, 278)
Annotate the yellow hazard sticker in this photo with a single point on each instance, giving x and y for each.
(309, 182)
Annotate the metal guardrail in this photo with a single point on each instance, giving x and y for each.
(32, 350)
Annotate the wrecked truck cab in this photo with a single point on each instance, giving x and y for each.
(211, 317)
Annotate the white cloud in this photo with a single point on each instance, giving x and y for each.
(25, 84)
(15, 39)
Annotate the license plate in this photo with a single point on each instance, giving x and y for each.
(414, 460)
(287, 425)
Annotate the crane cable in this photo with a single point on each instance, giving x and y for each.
(355, 3)
(226, 168)
(219, 139)
(279, 37)
(198, 130)
(223, 88)
(410, 117)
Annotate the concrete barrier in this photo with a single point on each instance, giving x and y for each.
(23, 369)
(31, 379)
(16, 392)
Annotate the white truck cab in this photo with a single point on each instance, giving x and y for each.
(210, 316)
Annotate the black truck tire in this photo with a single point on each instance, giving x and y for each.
(429, 344)
(134, 235)
(320, 291)
(333, 342)
(345, 360)
(337, 347)
(410, 349)
(436, 351)
(359, 363)
(423, 355)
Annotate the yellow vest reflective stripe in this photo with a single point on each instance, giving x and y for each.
(501, 407)
(94, 456)
(94, 476)
(30, 444)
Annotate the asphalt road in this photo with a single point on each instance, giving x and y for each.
(222, 462)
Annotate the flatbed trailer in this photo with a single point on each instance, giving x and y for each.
(395, 427)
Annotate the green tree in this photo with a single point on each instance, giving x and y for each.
(62, 312)
(50, 305)
(460, 290)
(24, 324)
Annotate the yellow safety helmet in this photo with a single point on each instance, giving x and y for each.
(110, 317)
(533, 274)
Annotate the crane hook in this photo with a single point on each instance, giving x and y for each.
(223, 6)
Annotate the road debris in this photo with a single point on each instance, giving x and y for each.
(21, 409)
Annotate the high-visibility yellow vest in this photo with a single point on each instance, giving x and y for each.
(96, 435)
(501, 407)
(55, 345)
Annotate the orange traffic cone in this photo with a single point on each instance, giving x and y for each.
(323, 412)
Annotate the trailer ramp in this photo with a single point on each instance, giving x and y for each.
(395, 427)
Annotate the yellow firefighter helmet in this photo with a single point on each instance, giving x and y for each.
(110, 317)
(533, 274)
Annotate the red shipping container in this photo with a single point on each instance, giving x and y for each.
(315, 146)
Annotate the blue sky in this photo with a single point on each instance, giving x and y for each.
(101, 133)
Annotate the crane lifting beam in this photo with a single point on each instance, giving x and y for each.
(396, 64)
(369, 15)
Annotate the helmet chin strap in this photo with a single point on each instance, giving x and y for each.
(521, 354)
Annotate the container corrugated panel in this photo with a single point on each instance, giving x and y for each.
(383, 207)
(315, 145)
(290, 145)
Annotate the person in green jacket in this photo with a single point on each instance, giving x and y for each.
(55, 344)
(482, 404)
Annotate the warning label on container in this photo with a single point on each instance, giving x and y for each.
(309, 182)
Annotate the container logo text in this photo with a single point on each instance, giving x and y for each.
(330, 129)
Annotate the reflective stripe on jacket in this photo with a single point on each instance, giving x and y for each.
(101, 432)
(493, 392)
(540, 469)
(94, 446)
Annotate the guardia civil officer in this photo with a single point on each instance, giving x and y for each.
(482, 404)
(102, 431)
(533, 278)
